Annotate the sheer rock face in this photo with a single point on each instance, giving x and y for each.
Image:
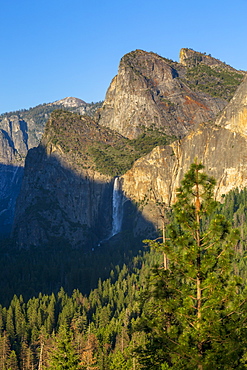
(147, 93)
(14, 140)
(234, 116)
(222, 148)
(17, 136)
(63, 199)
(13, 149)
(222, 152)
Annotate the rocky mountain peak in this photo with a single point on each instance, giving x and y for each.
(148, 64)
(70, 102)
(191, 58)
(147, 93)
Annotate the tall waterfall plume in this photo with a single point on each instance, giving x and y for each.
(117, 207)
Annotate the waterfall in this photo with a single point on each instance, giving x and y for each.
(117, 209)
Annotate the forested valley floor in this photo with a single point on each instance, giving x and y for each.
(74, 325)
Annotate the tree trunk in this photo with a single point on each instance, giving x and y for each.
(198, 265)
(164, 240)
(41, 356)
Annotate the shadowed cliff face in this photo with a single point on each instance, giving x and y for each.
(63, 199)
(147, 93)
(13, 148)
(20, 131)
(10, 183)
(222, 148)
(57, 205)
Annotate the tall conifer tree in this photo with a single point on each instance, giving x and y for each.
(64, 356)
(196, 314)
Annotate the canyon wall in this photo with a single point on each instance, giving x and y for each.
(221, 147)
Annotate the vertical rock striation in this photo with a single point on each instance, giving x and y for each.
(221, 147)
(234, 116)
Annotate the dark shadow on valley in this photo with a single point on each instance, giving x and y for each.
(62, 232)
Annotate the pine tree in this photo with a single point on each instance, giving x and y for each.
(4, 350)
(12, 361)
(63, 356)
(50, 321)
(119, 362)
(10, 328)
(87, 355)
(196, 311)
(26, 356)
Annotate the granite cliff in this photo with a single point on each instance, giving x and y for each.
(220, 146)
(13, 149)
(151, 92)
(234, 116)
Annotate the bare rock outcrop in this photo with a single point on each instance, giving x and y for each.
(234, 116)
(148, 94)
(191, 58)
(221, 147)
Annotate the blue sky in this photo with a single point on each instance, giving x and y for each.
(51, 49)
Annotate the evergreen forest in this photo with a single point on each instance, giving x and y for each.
(177, 302)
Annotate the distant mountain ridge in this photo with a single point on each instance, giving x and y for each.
(28, 125)
(70, 102)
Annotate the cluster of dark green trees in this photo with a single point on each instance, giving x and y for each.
(190, 314)
(118, 159)
(94, 331)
